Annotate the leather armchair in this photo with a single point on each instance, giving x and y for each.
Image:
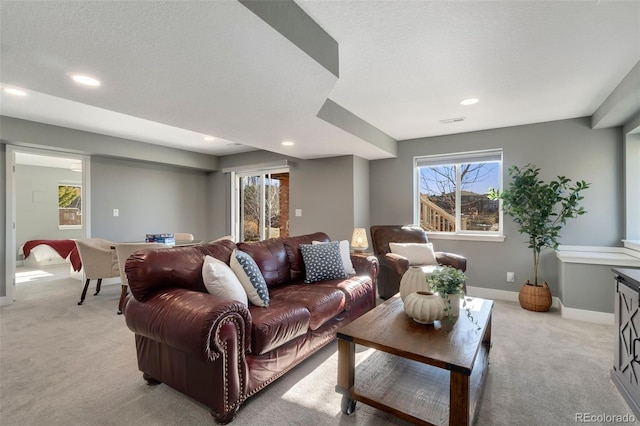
(393, 266)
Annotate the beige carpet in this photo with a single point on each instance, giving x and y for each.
(64, 364)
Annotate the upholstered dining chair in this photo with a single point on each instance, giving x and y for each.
(124, 251)
(183, 236)
(99, 261)
(393, 266)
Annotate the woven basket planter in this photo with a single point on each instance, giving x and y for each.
(535, 298)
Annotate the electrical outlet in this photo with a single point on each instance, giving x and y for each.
(116, 212)
(511, 277)
(298, 212)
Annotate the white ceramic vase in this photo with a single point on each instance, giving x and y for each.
(415, 279)
(424, 307)
(455, 304)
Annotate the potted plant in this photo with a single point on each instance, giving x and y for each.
(448, 283)
(540, 210)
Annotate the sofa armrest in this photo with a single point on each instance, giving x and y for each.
(450, 259)
(191, 321)
(398, 264)
(368, 266)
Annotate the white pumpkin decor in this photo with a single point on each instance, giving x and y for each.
(424, 307)
(415, 279)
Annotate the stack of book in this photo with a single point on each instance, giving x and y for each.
(160, 238)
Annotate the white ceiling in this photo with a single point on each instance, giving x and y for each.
(172, 72)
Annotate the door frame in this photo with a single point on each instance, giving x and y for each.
(10, 210)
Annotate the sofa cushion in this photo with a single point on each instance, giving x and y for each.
(273, 327)
(322, 261)
(323, 303)
(292, 247)
(271, 258)
(221, 281)
(354, 289)
(250, 277)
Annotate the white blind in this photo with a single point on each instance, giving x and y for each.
(459, 158)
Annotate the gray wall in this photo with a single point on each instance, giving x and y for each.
(150, 199)
(567, 147)
(37, 203)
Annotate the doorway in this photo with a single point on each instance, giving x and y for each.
(261, 204)
(48, 195)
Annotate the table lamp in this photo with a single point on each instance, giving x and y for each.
(359, 240)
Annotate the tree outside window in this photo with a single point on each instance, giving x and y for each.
(452, 192)
(69, 205)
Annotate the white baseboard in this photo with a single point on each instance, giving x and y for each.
(587, 316)
(568, 313)
(490, 293)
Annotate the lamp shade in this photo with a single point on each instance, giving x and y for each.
(359, 239)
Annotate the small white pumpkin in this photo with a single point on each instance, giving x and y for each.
(424, 307)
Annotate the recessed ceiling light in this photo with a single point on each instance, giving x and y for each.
(469, 101)
(288, 143)
(85, 80)
(15, 92)
(209, 138)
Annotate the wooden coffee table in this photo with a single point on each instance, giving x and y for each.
(426, 374)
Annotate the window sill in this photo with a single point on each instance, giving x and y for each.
(63, 227)
(466, 237)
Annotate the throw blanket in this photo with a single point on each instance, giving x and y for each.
(65, 248)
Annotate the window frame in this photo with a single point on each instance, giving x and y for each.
(458, 158)
(236, 205)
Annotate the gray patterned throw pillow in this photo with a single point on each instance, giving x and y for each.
(250, 277)
(322, 261)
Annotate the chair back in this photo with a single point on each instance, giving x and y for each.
(183, 236)
(382, 235)
(99, 260)
(124, 250)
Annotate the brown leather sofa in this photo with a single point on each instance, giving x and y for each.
(215, 350)
(393, 266)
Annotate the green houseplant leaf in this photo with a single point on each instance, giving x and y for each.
(448, 281)
(540, 209)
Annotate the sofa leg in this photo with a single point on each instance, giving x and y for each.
(123, 294)
(84, 291)
(227, 418)
(150, 380)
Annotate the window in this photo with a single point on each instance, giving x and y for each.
(69, 206)
(451, 193)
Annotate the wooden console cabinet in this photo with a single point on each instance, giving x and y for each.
(626, 361)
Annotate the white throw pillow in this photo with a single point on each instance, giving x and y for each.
(346, 256)
(220, 280)
(417, 253)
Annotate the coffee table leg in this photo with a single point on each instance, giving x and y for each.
(346, 374)
(459, 399)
